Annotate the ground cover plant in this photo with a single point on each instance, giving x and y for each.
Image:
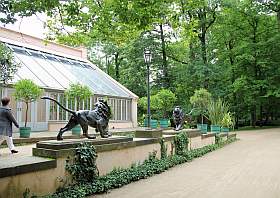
(120, 176)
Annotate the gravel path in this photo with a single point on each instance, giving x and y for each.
(248, 168)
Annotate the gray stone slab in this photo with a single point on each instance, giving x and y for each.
(148, 133)
(203, 136)
(73, 143)
(25, 164)
(188, 131)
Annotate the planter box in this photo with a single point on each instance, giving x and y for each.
(76, 130)
(202, 127)
(215, 128)
(164, 123)
(154, 123)
(24, 132)
(225, 129)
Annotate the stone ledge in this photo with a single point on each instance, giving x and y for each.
(222, 134)
(148, 133)
(230, 135)
(173, 132)
(73, 143)
(58, 153)
(21, 165)
(203, 136)
(35, 140)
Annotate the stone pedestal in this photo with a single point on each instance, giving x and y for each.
(148, 133)
(73, 143)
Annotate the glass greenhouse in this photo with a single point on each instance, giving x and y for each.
(54, 73)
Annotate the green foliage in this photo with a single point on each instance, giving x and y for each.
(163, 149)
(231, 48)
(83, 168)
(228, 120)
(7, 60)
(181, 142)
(27, 91)
(120, 177)
(166, 102)
(201, 99)
(217, 111)
(161, 103)
(79, 92)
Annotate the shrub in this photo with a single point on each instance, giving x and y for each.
(78, 92)
(217, 110)
(27, 92)
(200, 101)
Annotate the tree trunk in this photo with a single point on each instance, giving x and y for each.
(203, 47)
(26, 114)
(117, 64)
(192, 54)
(164, 58)
(107, 65)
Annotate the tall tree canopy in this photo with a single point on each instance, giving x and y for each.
(230, 47)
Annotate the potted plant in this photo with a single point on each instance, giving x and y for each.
(27, 92)
(227, 122)
(200, 101)
(216, 111)
(79, 93)
(166, 100)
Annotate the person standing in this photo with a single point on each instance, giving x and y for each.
(6, 121)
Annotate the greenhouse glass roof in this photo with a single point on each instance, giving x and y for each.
(57, 72)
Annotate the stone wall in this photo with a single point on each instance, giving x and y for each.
(110, 155)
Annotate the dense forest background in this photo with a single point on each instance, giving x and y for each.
(229, 47)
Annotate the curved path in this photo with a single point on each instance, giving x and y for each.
(247, 168)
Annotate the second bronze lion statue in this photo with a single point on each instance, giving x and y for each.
(97, 118)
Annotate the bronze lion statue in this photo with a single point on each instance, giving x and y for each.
(97, 118)
(179, 118)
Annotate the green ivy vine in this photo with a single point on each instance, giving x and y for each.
(122, 176)
(163, 148)
(181, 142)
(83, 167)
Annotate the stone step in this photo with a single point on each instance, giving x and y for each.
(24, 164)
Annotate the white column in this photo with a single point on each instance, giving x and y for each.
(134, 112)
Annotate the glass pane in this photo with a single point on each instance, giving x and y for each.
(67, 74)
(58, 76)
(53, 107)
(24, 73)
(40, 73)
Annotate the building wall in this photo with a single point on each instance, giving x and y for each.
(27, 40)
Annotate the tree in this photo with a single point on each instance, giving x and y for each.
(166, 102)
(200, 100)
(8, 66)
(79, 93)
(27, 92)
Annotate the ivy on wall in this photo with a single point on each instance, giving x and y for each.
(151, 166)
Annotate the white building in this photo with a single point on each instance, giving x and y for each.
(54, 67)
